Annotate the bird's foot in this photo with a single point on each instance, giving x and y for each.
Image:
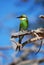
(19, 46)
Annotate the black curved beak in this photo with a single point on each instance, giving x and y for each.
(18, 17)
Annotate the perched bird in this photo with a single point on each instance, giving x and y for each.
(41, 16)
(23, 26)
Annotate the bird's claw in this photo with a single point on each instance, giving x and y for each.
(19, 46)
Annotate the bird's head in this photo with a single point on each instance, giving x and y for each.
(22, 17)
(41, 16)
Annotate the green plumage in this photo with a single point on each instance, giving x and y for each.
(23, 26)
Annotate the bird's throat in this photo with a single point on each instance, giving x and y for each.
(22, 18)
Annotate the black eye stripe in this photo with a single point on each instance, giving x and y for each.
(21, 17)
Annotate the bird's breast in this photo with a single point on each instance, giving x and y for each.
(24, 25)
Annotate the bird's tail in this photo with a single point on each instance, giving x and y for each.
(20, 39)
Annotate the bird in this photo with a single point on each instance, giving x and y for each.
(41, 16)
(22, 27)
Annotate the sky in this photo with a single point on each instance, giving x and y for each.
(9, 10)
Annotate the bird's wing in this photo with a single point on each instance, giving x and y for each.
(27, 22)
(20, 27)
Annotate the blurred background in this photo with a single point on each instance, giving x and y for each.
(9, 9)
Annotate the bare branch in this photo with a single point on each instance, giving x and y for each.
(5, 48)
(31, 40)
(32, 61)
(15, 35)
(40, 32)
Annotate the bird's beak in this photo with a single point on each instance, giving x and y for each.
(17, 17)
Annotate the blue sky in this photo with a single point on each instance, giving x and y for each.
(9, 9)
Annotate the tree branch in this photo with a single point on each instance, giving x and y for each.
(39, 34)
(5, 48)
(39, 31)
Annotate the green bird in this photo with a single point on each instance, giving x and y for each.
(23, 26)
